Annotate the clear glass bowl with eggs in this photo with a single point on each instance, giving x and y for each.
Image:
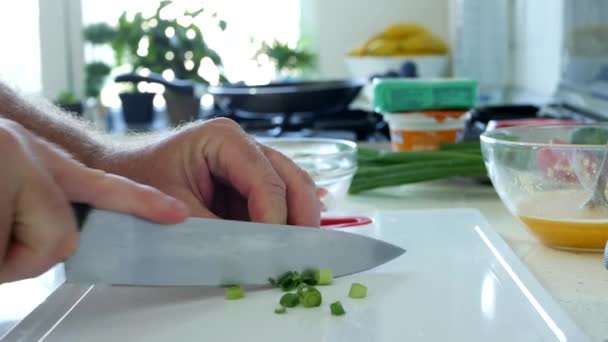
(553, 178)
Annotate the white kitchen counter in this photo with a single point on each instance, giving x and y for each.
(578, 281)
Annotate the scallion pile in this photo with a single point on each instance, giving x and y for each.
(378, 169)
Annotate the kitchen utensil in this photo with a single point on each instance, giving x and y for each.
(122, 249)
(478, 118)
(459, 281)
(598, 196)
(287, 97)
(606, 255)
(183, 87)
(345, 222)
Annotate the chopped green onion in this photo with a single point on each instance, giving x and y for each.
(324, 276)
(357, 291)
(308, 277)
(280, 310)
(234, 292)
(290, 300)
(337, 309)
(309, 296)
(289, 281)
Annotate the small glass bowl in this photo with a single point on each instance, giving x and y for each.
(331, 163)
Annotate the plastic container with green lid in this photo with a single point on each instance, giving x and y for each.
(407, 94)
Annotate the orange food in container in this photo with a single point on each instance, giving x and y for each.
(424, 131)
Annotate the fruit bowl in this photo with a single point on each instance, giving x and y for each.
(545, 176)
(426, 66)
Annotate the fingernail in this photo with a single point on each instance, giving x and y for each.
(322, 206)
(177, 206)
(275, 217)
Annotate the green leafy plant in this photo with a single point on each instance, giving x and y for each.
(67, 98)
(96, 72)
(288, 60)
(158, 43)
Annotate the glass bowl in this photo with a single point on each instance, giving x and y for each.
(545, 176)
(331, 163)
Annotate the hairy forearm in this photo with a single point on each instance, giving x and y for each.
(92, 148)
(51, 123)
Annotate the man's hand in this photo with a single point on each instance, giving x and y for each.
(220, 171)
(37, 183)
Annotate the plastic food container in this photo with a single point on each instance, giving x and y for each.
(424, 131)
(394, 95)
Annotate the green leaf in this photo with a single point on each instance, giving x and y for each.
(99, 33)
(195, 13)
(222, 24)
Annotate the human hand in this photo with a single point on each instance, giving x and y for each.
(221, 172)
(37, 183)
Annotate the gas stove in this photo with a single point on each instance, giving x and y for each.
(349, 124)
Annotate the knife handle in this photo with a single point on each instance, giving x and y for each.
(81, 211)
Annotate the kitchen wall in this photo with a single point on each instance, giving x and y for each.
(535, 48)
(334, 27)
(534, 51)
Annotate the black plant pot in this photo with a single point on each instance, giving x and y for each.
(181, 108)
(75, 108)
(137, 108)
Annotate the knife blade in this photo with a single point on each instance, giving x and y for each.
(119, 249)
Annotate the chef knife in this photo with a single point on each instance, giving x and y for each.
(120, 249)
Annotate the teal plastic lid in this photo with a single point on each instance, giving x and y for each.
(407, 94)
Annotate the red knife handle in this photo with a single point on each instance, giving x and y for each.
(344, 222)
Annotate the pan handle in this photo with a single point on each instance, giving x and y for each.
(178, 86)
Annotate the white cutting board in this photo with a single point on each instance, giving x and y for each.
(458, 281)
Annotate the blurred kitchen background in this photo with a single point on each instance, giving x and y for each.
(238, 58)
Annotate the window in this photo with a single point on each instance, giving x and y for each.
(248, 24)
(20, 62)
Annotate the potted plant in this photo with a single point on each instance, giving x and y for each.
(288, 62)
(69, 102)
(157, 44)
(96, 72)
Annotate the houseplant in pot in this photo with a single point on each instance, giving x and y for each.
(69, 102)
(137, 106)
(173, 47)
(289, 62)
(97, 36)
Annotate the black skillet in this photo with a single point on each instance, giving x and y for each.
(287, 97)
(280, 97)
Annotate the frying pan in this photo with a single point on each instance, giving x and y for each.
(280, 97)
(287, 97)
(183, 87)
